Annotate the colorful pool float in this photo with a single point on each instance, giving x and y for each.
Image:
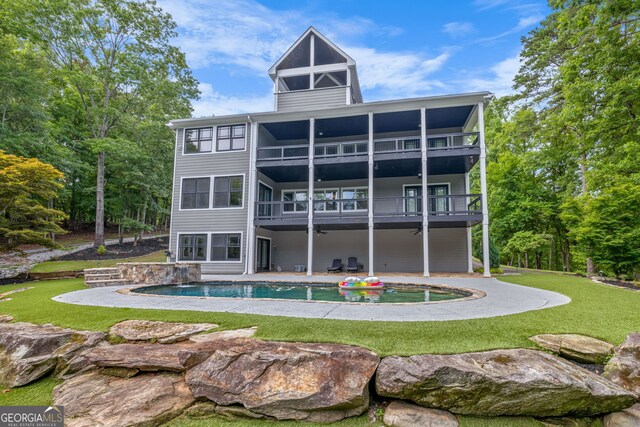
(357, 283)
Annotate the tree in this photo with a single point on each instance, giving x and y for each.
(117, 57)
(25, 186)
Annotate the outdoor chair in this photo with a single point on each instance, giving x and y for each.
(336, 266)
(353, 265)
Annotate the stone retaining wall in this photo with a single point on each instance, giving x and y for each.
(159, 273)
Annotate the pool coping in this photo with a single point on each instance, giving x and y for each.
(475, 294)
(500, 299)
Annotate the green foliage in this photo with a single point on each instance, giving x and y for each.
(101, 251)
(494, 252)
(25, 186)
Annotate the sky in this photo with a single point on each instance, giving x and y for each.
(402, 48)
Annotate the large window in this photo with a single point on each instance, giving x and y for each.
(227, 191)
(325, 200)
(198, 140)
(356, 199)
(231, 138)
(294, 201)
(195, 193)
(192, 247)
(225, 247)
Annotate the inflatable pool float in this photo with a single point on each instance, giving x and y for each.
(356, 283)
(359, 294)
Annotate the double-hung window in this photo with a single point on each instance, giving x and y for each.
(195, 193)
(325, 200)
(294, 201)
(198, 140)
(192, 247)
(227, 191)
(225, 247)
(231, 138)
(355, 199)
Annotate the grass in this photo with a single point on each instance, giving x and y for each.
(55, 266)
(596, 310)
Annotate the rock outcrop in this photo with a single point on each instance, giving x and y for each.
(162, 332)
(28, 351)
(313, 382)
(93, 399)
(576, 347)
(5, 318)
(403, 414)
(500, 382)
(624, 368)
(224, 335)
(629, 417)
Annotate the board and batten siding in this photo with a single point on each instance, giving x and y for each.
(312, 99)
(211, 220)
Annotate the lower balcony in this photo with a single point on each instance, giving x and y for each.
(461, 210)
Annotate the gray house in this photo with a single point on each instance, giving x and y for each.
(326, 175)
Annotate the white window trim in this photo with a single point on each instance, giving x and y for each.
(240, 261)
(294, 201)
(316, 190)
(214, 142)
(360, 200)
(211, 186)
(190, 233)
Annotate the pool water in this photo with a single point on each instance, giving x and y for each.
(307, 292)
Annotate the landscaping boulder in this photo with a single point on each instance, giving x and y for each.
(515, 382)
(93, 399)
(313, 382)
(28, 351)
(5, 318)
(162, 332)
(629, 417)
(403, 414)
(624, 368)
(224, 335)
(576, 347)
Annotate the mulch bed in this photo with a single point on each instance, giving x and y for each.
(620, 283)
(126, 250)
(14, 280)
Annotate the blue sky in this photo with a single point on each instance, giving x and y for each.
(402, 48)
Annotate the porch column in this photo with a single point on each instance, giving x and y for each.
(483, 187)
(251, 207)
(370, 190)
(425, 192)
(467, 189)
(312, 132)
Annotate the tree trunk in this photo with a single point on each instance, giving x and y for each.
(144, 216)
(526, 260)
(120, 239)
(591, 269)
(518, 260)
(99, 238)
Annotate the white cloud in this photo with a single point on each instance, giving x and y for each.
(213, 102)
(458, 29)
(489, 4)
(499, 80)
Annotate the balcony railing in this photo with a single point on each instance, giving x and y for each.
(383, 207)
(409, 144)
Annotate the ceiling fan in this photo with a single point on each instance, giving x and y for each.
(317, 231)
(418, 230)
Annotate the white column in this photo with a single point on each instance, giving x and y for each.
(370, 189)
(253, 180)
(312, 127)
(312, 61)
(483, 187)
(467, 189)
(425, 192)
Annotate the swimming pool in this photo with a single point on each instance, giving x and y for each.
(308, 292)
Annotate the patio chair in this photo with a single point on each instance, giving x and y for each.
(336, 266)
(353, 265)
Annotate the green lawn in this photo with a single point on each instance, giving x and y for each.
(597, 310)
(54, 266)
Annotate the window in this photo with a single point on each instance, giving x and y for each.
(227, 192)
(225, 247)
(325, 200)
(192, 247)
(297, 199)
(231, 138)
(357, 199)
(195, 193)
(198, 140)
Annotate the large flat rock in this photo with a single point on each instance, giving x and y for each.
(624, 367)
(28, 351)
(403, 414)
(313, 382)
(576, 347)
(93, 399)
(162, 332)
(629, 417)
(514, 382)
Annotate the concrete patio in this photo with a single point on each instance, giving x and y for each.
(501, 299)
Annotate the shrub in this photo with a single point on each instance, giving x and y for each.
(102, 250)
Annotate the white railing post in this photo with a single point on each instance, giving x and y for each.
(483, 185)
(425, 192)
(370, 174)
(312, 127)
(467, 201)
(253, 182)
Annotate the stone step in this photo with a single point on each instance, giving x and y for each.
(110, 282)
(102, 270)
(103, 276)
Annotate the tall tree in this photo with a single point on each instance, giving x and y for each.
(118, 58)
